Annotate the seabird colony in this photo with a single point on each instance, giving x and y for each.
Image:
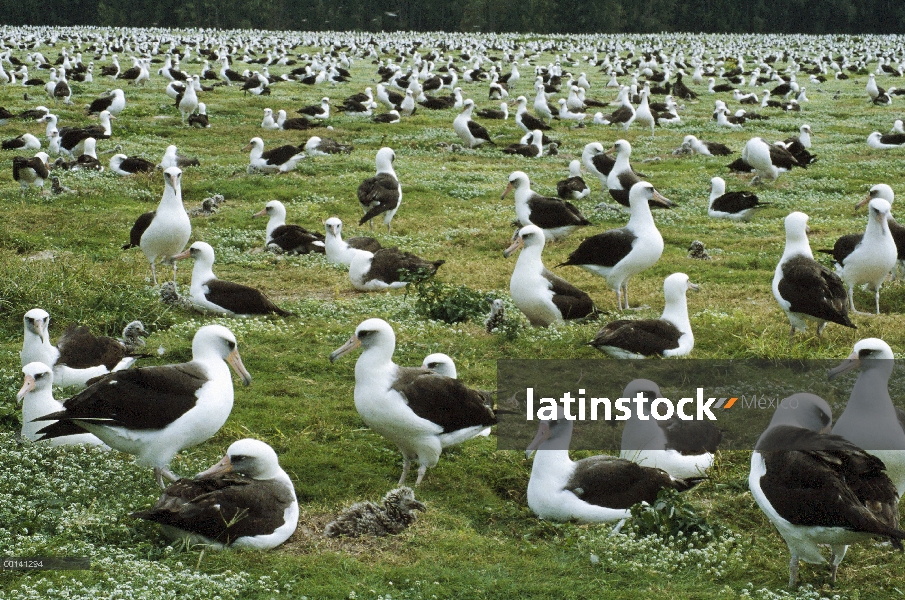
(153, 412)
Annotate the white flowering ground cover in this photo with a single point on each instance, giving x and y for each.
(477, 539)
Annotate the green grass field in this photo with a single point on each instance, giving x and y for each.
(478, 538)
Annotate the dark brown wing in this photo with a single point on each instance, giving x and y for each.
(691, 437)
(735, 202)
(647, 337)
(138, 230)
(617, 483)
(603, 163)
(297, 239)
(280, 155)
(383, 188)
(100, 104)
(478, 131)
(571, 301)
(391, 265)
(136, 164)
(825, 480)
(814, 290)
(299, 124)
(81, 349)
(221, 508)
(845, 245)
(143, 398)
(531, 122)
(604, 249)
(34, 163)
(897, 139)
(739, 165)
(444, 401)
(364, 243)
(241, 299)
(566, 187)
(547, 213)
(718, 149)
(780, 157)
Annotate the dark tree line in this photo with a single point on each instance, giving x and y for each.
(540, 16)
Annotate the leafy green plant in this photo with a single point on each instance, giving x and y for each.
(671, 516)
(448, 303)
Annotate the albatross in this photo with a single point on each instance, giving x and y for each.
(418, 410)
(670, 335)
(557, 218)
(542, 296)
(598, 489)
(79, 355)
(805, 289)
(618, 254)
(681, 448)
(223, 297)
(293, 239)
(37, 400)
(819, 489)
(154, 412)
(381, 194)
(341, 251)
(165, 231)
(244, 501)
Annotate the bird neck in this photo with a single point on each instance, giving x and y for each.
(676, 312)
(797, 245)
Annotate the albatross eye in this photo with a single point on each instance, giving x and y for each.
(865, 353)
(364, 333)
(231, 344)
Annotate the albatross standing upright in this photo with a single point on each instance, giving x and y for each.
(381, 194)
(418, 410)
(618, 254)
(542, 296)
(165, 231)
(805, 289)
(817, 488)
(154, 412)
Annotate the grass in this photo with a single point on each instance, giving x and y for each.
(478, 539)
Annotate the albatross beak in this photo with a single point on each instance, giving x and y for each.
(661, 200)
(235, 361)
(543, 433)
(694, 287)
(224, 466)
(516, 245)
(418, 506)
(352, 344)
(852, 362)
(28, 385)
(508, 189)
(862, 202)
(182, 255)
(247, 148)
(260, 213)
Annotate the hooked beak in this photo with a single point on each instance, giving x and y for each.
(235, 361)
(224, 466)
(611, 151)
(543, 434)
(418, 506)
(661, 200)
(852, 362)
(518, 244)
(694, 287)
(28, 384)
(862, 202)
(260, 213)
(182, 255)
(508, 189)
(247, 148)
(352, 344)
